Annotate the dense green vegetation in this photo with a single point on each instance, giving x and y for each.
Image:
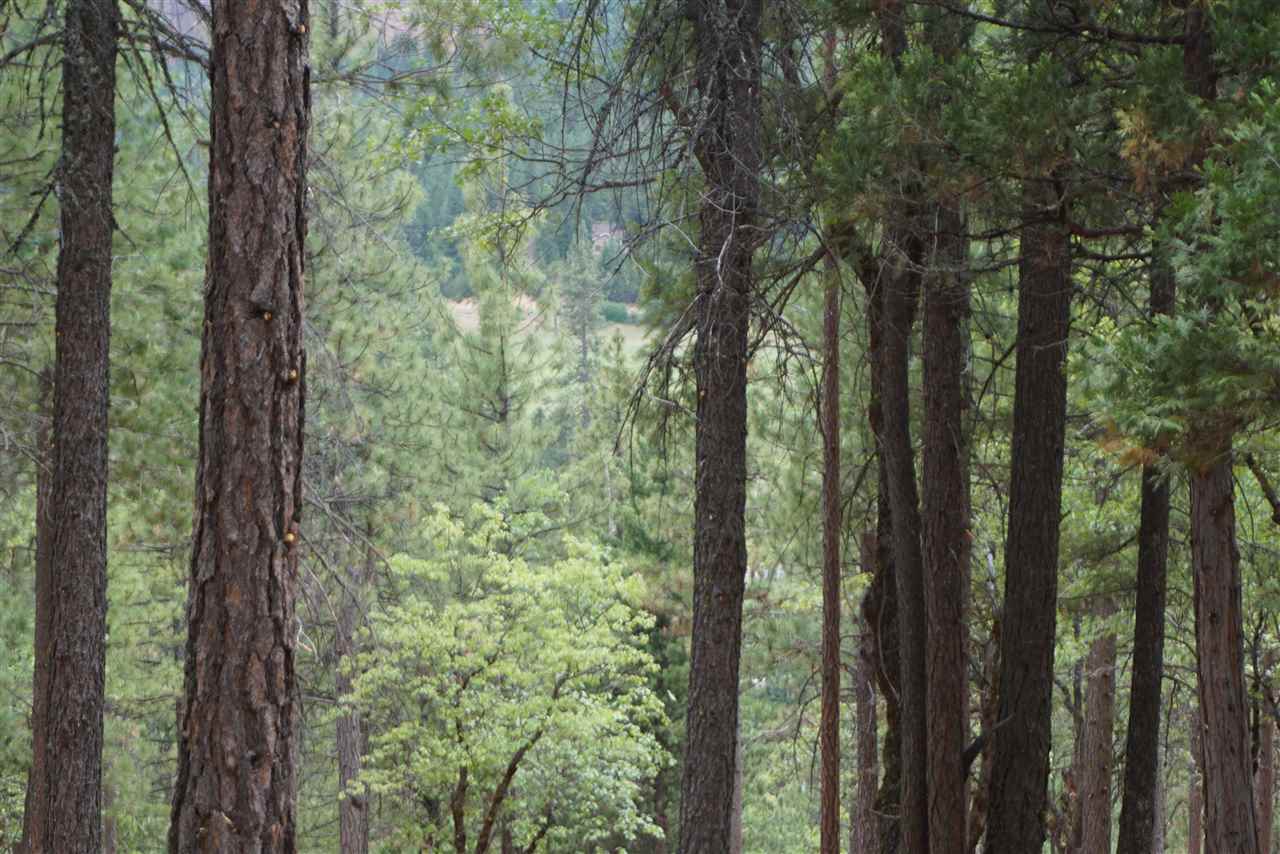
(495, 593)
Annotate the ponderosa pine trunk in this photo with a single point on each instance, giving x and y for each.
(1142, 740)
(1020, 764)
(829, 825)
(1098, 753)
(727, 50)
(236, 789)
(946, 527)
(64, 804)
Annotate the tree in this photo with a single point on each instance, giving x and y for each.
(1020, 764)
(64, 798)
(829, 409)
(237, 756)
(507, 692)
(727, 55)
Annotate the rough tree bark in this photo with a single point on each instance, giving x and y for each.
(830, 410)
(727, 46)
(1142, 741)
(946, 527)
(1020, 764)
(1230, 819)
(1099, 724)
(237, 777)
(64, 803)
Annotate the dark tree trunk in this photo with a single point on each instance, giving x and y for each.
(1230, 820)
(1020, 765)
(900, 293)
(1142, 743)
(1098, 753)
(946, 528)
(830, 724)
(43, 612)
(990, 702)
(65, 798)
(727, 45)
(863, 838)
(237, 779)
(880, 605)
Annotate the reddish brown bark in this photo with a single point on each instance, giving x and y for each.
(1230, 819)
(1020, 765)
(830, 723)
(237, 779)
(64, 805)
(727, 56)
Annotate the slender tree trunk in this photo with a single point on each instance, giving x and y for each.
(352, 742)
(830, 723)
(880, 604)
(237, 759)
(1020, 769)
(1230, 820)
(1265, 781)
(981, 790)
(1100, 702)
(946, 528)
(1142, 742)
(43, 613)
(863, 838)
(1195, 784)
(65, 801)
(900, 294)
(727, 47)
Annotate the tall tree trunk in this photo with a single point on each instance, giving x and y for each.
(830, 723)
(1230, 820)
(1100, 702)
(990, 702)
(946, 527)
(863, 838)
(65, 802)
(1142, 741)
(900, 293)
(1020, 766)
(727, 47)
(43, 613)
(880, 604)
(237, 776)
(1195, 784)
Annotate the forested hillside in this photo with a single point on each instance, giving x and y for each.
(692, 426)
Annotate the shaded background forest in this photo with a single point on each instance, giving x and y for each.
(499, 472)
